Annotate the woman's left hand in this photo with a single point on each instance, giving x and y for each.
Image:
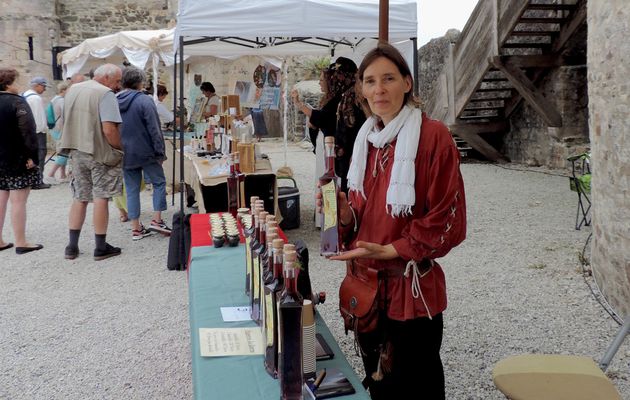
(374, 251)
(30, 164)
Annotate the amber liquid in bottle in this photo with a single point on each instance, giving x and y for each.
(329, 186)
(290, 370)
(232, 188)
(272, 291)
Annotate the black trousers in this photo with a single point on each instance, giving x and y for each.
(417, 371)
(41, 154)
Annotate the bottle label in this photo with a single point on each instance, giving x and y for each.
(329, 197)
(248, 256)
(269, 317)
(256, 267)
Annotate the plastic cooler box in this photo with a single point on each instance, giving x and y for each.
(289, 204)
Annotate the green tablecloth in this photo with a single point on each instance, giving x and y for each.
(217, 280)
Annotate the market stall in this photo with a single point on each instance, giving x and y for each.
(280, 28)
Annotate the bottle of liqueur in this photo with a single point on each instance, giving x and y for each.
(266, 276)
(329, 185)
(257, 251)
(232, 188)
(272, 290)
(254, 242)
(290, 305)
(241, 179)
(248, 230)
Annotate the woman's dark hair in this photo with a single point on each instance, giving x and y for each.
(161, 90)
(7, 77)
(392, 54)
(207, 87)
(132, 78)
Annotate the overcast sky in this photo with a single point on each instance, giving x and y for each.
(435, 17)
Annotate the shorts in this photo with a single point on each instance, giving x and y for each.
(61, 159)
(91, 179)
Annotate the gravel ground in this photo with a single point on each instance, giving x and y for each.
(118, 329)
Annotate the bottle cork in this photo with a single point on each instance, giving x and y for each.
(277, 243)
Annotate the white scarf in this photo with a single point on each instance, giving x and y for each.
(401, 195)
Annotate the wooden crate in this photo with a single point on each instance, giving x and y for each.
(231, 101)
(246, 152)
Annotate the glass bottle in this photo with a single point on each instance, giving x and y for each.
(290, 370)
(257, 251)
(248, 229)
(272, 289)
(232, 188)
(241, 179)
(329, 186)
(253, 242)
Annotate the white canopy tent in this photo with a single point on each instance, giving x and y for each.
(272, 28)
(137, 47)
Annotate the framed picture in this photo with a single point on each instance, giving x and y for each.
(198, 107)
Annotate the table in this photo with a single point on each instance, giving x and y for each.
(217, 280)
(211, 191)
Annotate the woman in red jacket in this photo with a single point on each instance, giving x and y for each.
(406, 207)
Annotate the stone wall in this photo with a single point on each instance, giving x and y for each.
(431, 59)
(84, 19)
(17, 23)
(609, 110)
(531, 141)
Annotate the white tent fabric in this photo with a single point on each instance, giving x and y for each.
(136, 46)
(278, 23)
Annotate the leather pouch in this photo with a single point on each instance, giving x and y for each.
(358, 298)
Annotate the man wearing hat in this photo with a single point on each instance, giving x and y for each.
(35, 101)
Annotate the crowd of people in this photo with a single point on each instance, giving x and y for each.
(109, 137)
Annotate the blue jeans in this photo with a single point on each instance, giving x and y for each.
(133, 178)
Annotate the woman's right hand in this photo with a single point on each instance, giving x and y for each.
(345, 214)
(30, 164)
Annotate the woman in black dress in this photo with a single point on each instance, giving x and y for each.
(18, 149)
(340, 114)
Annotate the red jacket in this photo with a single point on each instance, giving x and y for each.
(438, 222)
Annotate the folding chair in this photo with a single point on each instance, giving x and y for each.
(580, 182)
(558, 377)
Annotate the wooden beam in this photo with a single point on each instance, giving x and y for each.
(577, 19)
(530, 93)
(542, 60)
(477, 128)
(470, 133)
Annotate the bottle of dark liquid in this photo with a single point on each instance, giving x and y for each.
(248, 230)
(241, 179)
(272, 291)
(257, 251)
(253, 243)
(232, 188)
(329, 186)
(290, 371)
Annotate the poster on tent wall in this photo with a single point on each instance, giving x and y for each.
(270, 94)
(246, 91)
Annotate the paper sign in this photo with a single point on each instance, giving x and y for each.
(219, 342)
(234, 314)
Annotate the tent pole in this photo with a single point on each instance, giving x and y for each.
(174, 141)
(285, 104)
(383, 21)
(416, 83)
(182, 185)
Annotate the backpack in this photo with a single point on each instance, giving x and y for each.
(51, 121)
